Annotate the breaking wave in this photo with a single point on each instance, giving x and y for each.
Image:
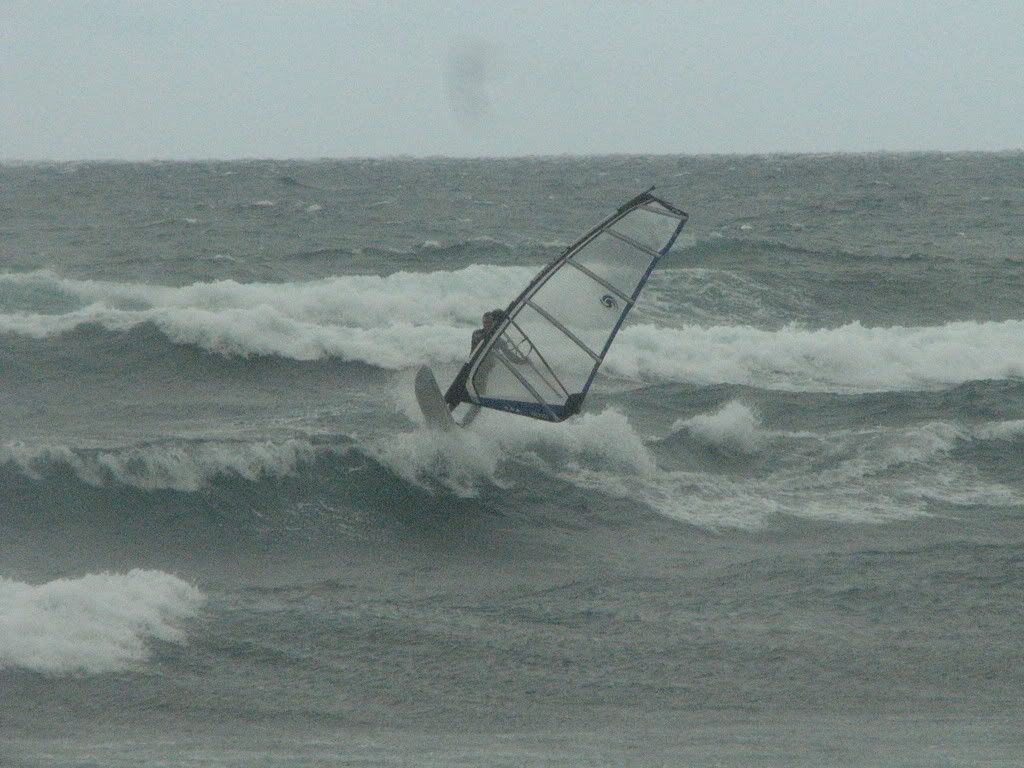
(406, 319)
(850, 358)
(867, 475)
(1005, 431)
(97, 623)
(393, 322)
(462, 460)
(173, 465)
(734, 426)
(722, 468)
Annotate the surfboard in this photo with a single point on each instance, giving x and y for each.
(432, 405)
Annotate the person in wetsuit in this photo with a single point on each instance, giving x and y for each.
(488, 321)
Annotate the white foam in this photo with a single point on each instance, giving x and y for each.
(396, 321)
(734, 427)
(848, 358)
(465, 460)
(1001, 430)
(180, 466)
(865, 476)
(459, 460)
(868, 475)
(871, 475)
(603, 439)
(698, 498)
(93, 624)
(406, 319)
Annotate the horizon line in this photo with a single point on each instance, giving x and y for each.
(406, 156)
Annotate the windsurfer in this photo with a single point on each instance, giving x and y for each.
(539, 357)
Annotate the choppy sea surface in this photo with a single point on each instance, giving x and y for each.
(788, 529)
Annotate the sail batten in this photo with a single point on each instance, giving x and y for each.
(551, 334)
(630, 241)
(601, 281)
(551, 319)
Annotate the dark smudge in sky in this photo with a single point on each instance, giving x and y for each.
(470, 69)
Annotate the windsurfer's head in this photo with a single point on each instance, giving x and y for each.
(493, 317)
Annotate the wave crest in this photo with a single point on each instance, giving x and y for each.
(850, 358)
(175, 465)
(734, 427)
(463, 460)
(408, 319)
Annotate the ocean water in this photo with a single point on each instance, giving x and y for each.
(787, 530)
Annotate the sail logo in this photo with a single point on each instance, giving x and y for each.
(609, 301)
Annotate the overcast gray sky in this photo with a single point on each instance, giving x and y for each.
(192, 79)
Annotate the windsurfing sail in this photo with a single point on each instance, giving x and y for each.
(541, 359)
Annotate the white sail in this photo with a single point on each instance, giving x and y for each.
(541, 359)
